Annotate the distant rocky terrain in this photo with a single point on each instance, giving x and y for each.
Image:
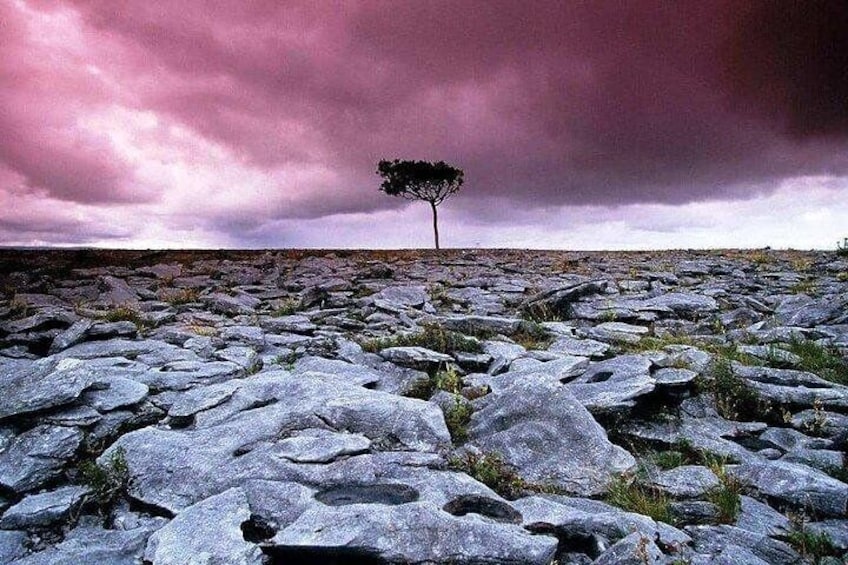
(415, 407)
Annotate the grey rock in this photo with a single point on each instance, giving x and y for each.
(694, 512)
(30, 387)
(761, 518)
(714, 541)
(670, 378)
(558, 300)
(634, 549)
(230, 305)
(472, 324)
(206, 532)
(416, 532)
(352, 373)
(541, 429)
(503, 354)
(37, 456)
(12, 545)
(586, 519)
(836, 530)
(47, 318)
(240, 437)
(797, 485)
(790, 387)
(70, 336)
(581, 347)
(241, 355)
(687, 481)
(614, 385)
(615, 332)
(43, 509)
(397, 298)
(246, 335)
(115, 292)
(110, 330)
(184, 375)
(115, 392)
(415, 357)
(295, 323)
(321, 446)
(148, 351)
(88, 544)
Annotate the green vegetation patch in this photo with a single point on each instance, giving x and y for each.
(434, 338)
(107, 481)
(826, 362)
(634, 496)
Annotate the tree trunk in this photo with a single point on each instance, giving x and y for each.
(435, 223)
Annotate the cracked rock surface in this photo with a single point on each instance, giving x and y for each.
(476, 407)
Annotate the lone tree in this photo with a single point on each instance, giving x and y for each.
(421, 180)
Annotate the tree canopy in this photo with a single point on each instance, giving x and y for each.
(421, 180)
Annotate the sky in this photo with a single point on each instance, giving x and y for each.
(590, 124)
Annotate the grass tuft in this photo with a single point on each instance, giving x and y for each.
(826, 362)
(457, 418)
(813, 546)
(633, 496)
(107, 481)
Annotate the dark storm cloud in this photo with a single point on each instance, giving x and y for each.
(543, 103)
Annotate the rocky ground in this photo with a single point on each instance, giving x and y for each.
(403, 407)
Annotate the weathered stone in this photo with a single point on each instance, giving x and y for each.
(48, 318)
(541, 429)
(634, 549)
(207, 532)
(246, 335)
(474, 324)
(407, 533)
(43, 509)
(797, 485)
(295, 323)
(687, 481)
(614, 385)
(37, 456)
(415, 357)
(30, 387)
(71, 336)
(581, 347)
(230, 305)
(115, 392)
(89, 544)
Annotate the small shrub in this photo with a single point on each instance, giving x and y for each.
(121, 314)
(811, 545)
(201, 330)
(107, 481)
(287, 307)
(842, 248)
(726, 495)
(542, 313)
(448, 379)
(669, 459)
(457, 418)
(176, 297)
(734, 398)
(491, 470)
(634, 496)
(531, 335)
(18, 307)
(805, 286)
